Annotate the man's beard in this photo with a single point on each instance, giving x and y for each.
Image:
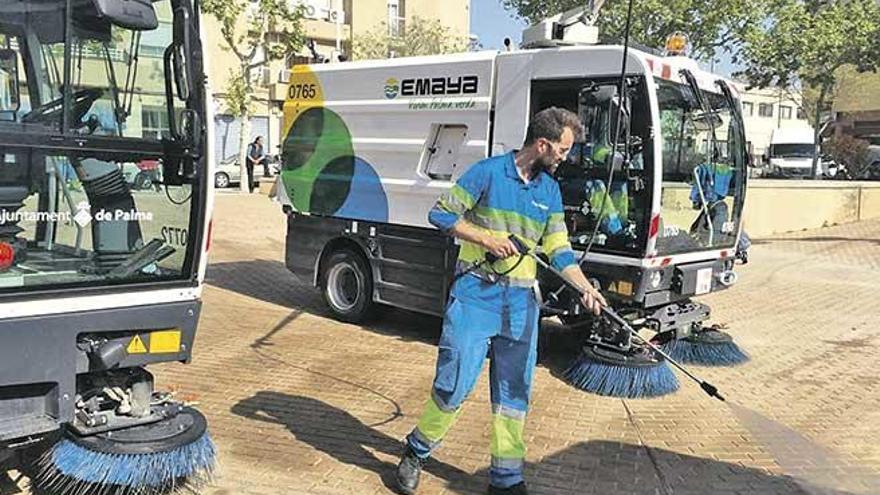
(545, 164)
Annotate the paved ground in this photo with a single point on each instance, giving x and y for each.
(299, 403)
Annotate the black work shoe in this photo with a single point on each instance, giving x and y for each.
(408, 472)
(517, 489)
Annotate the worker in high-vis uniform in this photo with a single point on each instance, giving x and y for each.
(492, 308)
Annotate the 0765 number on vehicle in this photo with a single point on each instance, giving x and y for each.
(302, 91)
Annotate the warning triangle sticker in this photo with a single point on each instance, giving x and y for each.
(136, 346)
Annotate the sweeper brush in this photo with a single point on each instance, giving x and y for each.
(172, 456)
(706, 347)
(640, 373)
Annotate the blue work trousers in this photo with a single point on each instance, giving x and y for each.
(471, 331)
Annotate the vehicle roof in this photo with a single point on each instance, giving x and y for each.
(792, 135)
(603, 59)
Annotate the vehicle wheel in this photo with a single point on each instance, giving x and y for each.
(221, 180)
(347, 286)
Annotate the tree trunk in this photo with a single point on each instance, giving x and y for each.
(817, 127)
(243, 141)
(244, 132)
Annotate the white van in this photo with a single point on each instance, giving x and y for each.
(791, 152)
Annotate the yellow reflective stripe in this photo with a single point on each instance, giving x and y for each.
(509, 221)
(461, 196)
(527, 269)
(507, 437)
(602, 206)
(556, 242)
(556, 223)
(435, 422)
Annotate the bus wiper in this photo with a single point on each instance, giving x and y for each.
(695, 88)
(730, 100)
(153, 252)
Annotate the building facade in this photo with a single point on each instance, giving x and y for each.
(856, 110)
(330, 25)
(765, 110)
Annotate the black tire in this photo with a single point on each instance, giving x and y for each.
(221, 180)
(347, 286)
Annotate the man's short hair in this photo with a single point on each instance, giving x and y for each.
(550, 123)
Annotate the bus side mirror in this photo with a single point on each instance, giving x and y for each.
(181, 50)
(10, 95)
(137, 15)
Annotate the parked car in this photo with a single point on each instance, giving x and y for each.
(873, 169)
(228, 172)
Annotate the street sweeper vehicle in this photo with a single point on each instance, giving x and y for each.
(653, 197)
(98, 279)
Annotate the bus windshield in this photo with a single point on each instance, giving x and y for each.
(704, 173)
(86, 140)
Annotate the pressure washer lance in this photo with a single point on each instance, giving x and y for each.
(523, 250)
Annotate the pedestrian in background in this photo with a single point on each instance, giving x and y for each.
(255, 156)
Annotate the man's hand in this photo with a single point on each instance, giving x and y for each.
(592, 299)
(501, 248)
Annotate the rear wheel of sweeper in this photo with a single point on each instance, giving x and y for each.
(172, 455)
(347, 286)
(638, 372)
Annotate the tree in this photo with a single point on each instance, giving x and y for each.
(806, 44)
(420, 37)
(710, 26)
(849, 152)
(256, 32)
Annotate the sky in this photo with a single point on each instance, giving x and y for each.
(491, 23)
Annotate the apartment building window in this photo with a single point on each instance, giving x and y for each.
(801, 114)
(748, 109)
(396, 17)
(765, 109)
(785, 112)
(154, 122)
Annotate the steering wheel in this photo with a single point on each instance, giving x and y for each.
(50, 112)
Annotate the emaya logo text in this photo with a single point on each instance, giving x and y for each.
(432, 86)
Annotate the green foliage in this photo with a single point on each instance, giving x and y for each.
(710, 26)
(804, 43)
(238, 95)
(805, 46)
(420, 37)
(849, 151)
(256, 33)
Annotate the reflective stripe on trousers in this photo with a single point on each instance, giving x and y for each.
(469, 333)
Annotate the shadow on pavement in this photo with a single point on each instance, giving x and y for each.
(615, 468)
(271, 282)
(268, 281)
(593, 467)
(336, 433)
